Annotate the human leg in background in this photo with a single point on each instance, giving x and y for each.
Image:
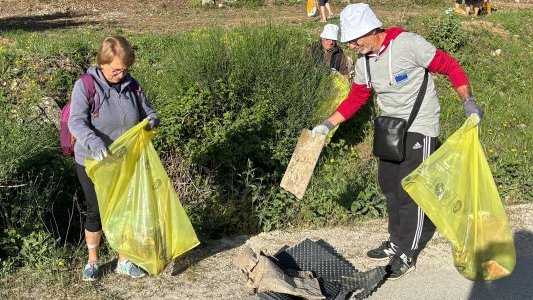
(488, 7)
(468, 6)
(321, 4)
(458, 8)
(476, 7)
(330, 12)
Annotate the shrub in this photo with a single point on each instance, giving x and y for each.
(447, 34)
(234, 107)
(36, 184)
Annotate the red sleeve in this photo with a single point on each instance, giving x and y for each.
(359, 95)
(444, 63)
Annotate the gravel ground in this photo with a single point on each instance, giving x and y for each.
(208, 273)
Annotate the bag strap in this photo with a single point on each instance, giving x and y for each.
(419, 98)
(373, 111)
(135, 88)
(368, 69)
(91, 94)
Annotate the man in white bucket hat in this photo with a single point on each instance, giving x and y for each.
(328, 53)
(393, 62)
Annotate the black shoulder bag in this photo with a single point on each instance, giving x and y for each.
(390, 133)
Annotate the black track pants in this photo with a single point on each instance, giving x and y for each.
(406, 219)
(92, 221)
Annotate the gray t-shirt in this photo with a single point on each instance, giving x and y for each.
(396, 76)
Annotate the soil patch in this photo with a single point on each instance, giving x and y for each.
(166, 16)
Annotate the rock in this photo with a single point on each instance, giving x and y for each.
(14, 84)
(51, 110)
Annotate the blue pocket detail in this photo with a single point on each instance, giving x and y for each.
(400, 77)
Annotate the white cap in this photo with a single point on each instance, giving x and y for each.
(331, 32)
(356, 21)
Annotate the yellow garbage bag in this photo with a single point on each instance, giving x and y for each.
(339, 90)
(141, 214)
(456, 190)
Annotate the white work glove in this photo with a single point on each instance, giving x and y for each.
(323, 128)
(152, 123)
(100, 153)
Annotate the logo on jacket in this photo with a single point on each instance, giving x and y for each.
(400, 77)
(417, 146)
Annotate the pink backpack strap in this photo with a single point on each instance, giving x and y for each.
(135, 88)
(91, 94)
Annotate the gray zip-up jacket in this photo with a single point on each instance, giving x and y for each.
(117, 114)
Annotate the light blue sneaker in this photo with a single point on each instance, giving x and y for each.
(90, 272)
(128, 268)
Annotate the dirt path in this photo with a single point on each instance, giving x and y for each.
(165, 16)
(161, 16)
(207, 272)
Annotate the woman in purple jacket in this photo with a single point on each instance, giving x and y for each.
(122, 105)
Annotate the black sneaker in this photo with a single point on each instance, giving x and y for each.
(399, 265)
(383, 252)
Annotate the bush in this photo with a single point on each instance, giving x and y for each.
(243, 97)
(447, 34)
(36, 184)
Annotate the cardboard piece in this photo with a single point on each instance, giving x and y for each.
(302, 163)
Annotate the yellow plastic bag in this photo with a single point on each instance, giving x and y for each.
(141, 214)
(455, 188)
(338, 92)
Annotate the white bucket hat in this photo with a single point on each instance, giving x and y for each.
(331, 32)
(356, 21)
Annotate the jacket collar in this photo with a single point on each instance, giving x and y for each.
(100, 78)
(390, 34)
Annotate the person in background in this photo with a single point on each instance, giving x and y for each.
(397, 62)
(475, 4)
(469, 4)
(328, 53)
(486, 7)
(121, 108)
(324, 5)
(458, 8)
